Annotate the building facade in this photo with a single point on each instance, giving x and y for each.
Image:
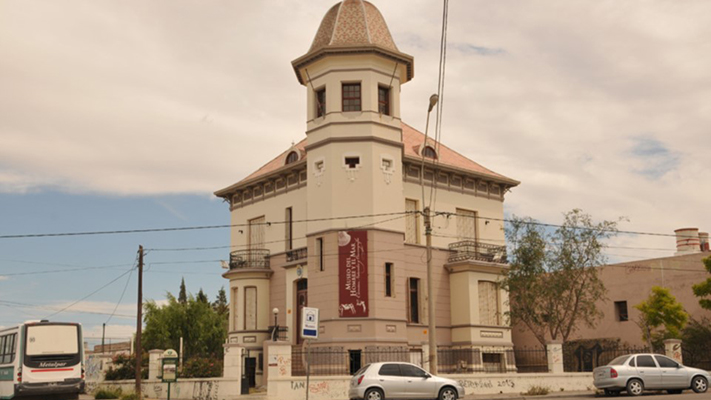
(334, 222)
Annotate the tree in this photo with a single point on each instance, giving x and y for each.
(553, 281)
(203, 330)
(703, 289)
(220, 304)
(182, 295)
(202, 297)
(662, 317)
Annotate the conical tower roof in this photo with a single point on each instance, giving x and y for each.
(354, 26)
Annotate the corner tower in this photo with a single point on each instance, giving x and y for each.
(352, 74)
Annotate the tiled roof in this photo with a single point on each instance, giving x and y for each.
(353, 23)
(412, 141)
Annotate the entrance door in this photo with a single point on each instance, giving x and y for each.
(302, 297)
(250, 370)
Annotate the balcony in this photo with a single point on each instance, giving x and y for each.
(249, 259)
(296, 254)
(472, 250)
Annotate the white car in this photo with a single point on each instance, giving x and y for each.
(636, 373)
(399, 380)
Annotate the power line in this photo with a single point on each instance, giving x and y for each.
(54, 271)
(123, 292)
(189, 228)
(89, 295)
(13, 304)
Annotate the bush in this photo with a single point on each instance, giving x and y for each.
(537, 391)
(124, 367)
(130, 396)
(202, 367)
(107, 393)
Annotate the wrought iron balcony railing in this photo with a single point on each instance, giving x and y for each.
(296, 254)
(473, 250)
(250, 258)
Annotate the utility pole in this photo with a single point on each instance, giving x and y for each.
(432, 330)
(139, 322)
(103, 336)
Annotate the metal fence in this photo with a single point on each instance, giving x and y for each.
(696, 359)
(531, 360)
(585, 359)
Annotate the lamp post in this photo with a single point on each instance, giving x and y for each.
(275, 335)
(431, 328)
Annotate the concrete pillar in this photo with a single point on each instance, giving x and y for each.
(232, 361)
(672, 348)
(554, 350)
(154, 357)
(278, 365)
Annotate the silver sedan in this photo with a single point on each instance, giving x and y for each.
(398, 380)
(636, 373)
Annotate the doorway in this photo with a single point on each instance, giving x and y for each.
(302, 300)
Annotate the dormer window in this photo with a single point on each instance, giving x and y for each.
(292, 157)
(351, 96)
(320, 102)
(384, 100)
(429, 152)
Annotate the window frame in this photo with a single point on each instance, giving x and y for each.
(320, 103)
(384, 100)
(349, 95)
(389, 279)
(410, 306)
(319, 254)
(618, 311)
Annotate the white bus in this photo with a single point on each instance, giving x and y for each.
(42, 360)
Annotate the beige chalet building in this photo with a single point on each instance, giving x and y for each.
(332, 222)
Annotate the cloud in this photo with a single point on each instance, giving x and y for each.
(3, 278)
(100, 98)
(123, 311)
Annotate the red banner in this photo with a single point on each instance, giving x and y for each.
(353, 274)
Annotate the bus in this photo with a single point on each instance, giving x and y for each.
(41, 360)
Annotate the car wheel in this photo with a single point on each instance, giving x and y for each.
(699, 384)
(635, 387)
(448, 393)
(374, 394)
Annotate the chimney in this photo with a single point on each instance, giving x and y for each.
(704, 241)
(687, 241)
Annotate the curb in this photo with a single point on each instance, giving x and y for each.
(518, 396)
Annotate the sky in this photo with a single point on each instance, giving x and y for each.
(122, 115)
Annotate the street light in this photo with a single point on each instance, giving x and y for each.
(275, 335)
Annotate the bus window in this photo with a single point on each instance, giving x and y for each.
(52, 339)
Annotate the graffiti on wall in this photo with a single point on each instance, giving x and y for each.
(205, 390)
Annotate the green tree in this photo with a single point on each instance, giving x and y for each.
(220, 304)
(662, 317)
(703, 289)
(182, 295)
(202, 297)
(203, 330)
(553, 281)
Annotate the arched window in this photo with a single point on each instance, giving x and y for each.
(292, 157)
(429, 152)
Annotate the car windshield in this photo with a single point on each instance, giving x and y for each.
(619, 360)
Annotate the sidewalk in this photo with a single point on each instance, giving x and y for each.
(519, 396)
(506, 396)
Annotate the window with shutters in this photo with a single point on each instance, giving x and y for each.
(288, 228)
(488, 303)
(234, 311)
(466, 224)
(384, 100)
(321, 102)
(250, 308)
(412, 222)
